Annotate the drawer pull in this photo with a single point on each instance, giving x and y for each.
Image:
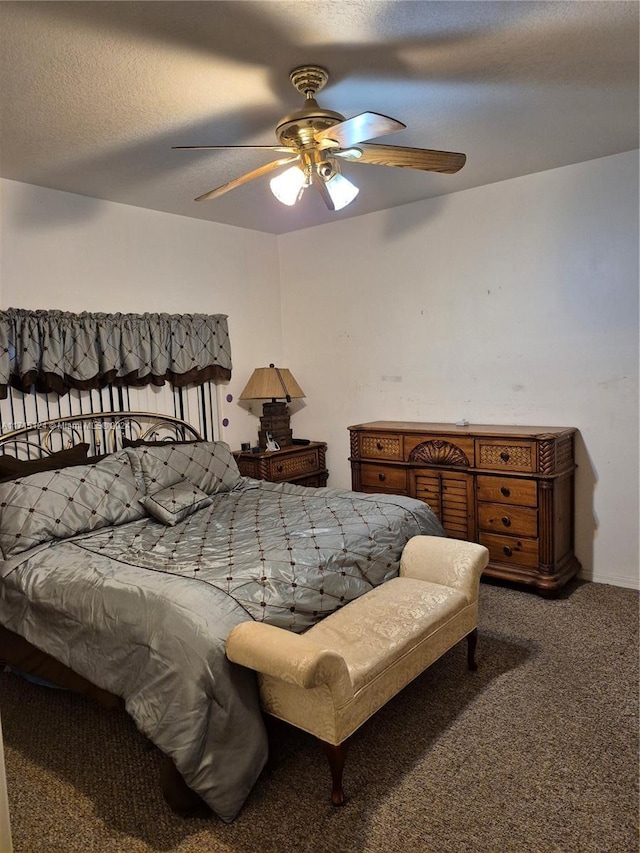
(382, 477)
(504, 456)
(506, 521)
(280, 469)
(505, 491)
(507, 550)
(379, 445)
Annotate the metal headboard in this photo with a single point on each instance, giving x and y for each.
(102, 431)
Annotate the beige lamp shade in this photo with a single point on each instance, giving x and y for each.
(271, 383)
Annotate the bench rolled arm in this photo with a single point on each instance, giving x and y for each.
(293, 658)
(451, 562)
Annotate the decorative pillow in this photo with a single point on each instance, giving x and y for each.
(176, 502)
(59, 504)
(10, 467)
(209, 465)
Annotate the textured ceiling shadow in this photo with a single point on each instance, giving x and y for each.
(431, 41)
(130, 166)
(426, 55)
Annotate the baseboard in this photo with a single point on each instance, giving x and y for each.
(612, 580)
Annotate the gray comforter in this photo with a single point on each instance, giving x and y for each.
(143, 609)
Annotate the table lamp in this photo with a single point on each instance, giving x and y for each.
(269, 384)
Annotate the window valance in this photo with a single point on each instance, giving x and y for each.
(58, 350)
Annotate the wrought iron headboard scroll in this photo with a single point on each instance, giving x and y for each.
(102, 431)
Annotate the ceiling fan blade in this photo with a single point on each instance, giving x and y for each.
(425, 159)
(248, 176)
(353, 130)
(324, 192)
(347, 153)
(231, 148)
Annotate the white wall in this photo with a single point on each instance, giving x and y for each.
(66, 251)
(511, 303)
(514, 303)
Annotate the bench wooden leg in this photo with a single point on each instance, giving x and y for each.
(336, 756)
(472, 641)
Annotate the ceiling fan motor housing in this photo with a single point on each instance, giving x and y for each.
(298, 128)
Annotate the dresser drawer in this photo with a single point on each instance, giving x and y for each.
(373, 446)
(503, 518)
(287, 467)
(508, 490)
(511, 549)
(507, 455)
(384, 477)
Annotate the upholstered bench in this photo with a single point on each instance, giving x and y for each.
(331, 679)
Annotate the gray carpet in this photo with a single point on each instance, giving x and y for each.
(536, 752)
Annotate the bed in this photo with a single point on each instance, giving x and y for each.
(130, 553)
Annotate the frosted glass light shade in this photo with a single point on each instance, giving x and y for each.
(341, 190)
(289, 185)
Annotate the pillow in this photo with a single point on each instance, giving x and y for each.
(209, 465)
(59, 504)
(176, 502)
(10, 467)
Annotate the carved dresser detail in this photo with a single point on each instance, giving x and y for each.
(507, 487)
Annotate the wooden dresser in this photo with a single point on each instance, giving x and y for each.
(302, 464)
(507, 487)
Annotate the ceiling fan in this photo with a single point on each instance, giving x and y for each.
(317, 140)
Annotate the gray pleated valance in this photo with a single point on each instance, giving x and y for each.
(57, 350)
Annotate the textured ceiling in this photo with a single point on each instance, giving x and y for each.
(94, 94)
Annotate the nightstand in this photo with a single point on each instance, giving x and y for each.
(302, 464)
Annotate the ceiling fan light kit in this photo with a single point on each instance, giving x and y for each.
(289, 185)
(341, 190)
(317, 139)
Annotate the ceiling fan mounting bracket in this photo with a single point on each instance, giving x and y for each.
(309, 79)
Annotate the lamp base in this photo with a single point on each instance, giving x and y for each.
(276, 421)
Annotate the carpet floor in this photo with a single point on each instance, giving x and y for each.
(536, 752)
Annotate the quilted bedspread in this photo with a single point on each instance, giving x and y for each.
(143, 609)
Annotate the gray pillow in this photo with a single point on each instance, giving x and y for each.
(209, 465)
(176, 502)
(60, 504)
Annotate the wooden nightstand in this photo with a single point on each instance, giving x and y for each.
(302, 464)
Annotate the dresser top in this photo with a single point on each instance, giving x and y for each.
(515, 431)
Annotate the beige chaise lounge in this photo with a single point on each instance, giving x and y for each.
(331, 679)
